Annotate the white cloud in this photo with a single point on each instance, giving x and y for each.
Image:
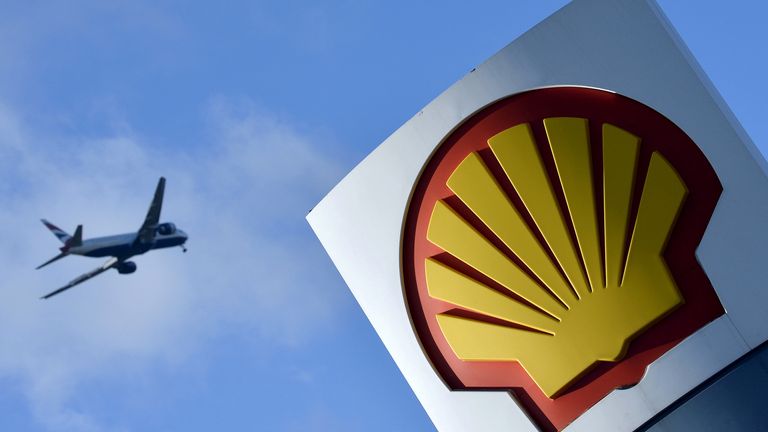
(251, 269)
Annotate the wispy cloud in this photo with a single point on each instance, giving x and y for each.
(251, 269)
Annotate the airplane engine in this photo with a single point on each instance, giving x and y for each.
(166, 228)
(126, 267)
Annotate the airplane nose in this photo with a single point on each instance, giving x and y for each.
(182, 234)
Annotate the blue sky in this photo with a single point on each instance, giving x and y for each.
(253, 111)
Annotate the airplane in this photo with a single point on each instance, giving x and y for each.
(121, 247)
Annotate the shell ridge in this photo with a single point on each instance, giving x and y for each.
(468, 314)
(568, 232)
(472, 219)
(646, 243)
(476, 186)
(642, 172)
(620, 159)
(448, 283)
(481, 341)
(499, 175)
(449, 231)
(577, 279)
(596, 150)
(516, 151)
(569, 143)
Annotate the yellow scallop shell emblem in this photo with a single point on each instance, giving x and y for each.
(582, 301)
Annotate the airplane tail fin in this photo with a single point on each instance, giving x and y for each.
(68, 240)
(76, 239)
(58, 232)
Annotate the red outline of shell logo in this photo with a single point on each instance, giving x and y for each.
(549, 248)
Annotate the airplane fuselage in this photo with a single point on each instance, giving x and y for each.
(124, 246)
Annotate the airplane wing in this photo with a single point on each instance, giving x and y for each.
(84, 277)
(147, 230)
(57, 257)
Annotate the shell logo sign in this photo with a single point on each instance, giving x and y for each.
(549, 248)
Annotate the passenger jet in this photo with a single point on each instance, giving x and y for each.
(121, 247)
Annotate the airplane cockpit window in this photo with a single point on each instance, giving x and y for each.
(166, 228)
